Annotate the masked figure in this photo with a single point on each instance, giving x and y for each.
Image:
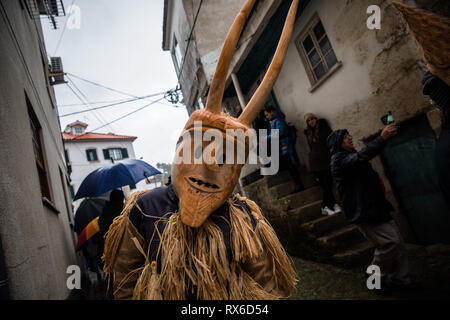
(193, 239)
(432, 34)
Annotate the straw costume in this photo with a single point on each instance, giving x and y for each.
(193, 239)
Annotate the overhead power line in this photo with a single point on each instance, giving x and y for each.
(113, 104)
(189, 39)
(125, 115)
(84, 99)
(92, 103)
(101, 86)
(63, 31)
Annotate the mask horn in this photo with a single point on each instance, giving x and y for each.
(262, 93)
(217, 88)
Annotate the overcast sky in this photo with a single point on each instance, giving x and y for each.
(119, 45)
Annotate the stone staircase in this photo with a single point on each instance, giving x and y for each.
(303, 230)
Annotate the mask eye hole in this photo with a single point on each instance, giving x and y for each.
(198, 152)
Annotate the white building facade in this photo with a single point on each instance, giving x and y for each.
(87, 151)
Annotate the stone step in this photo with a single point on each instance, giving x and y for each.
(282, 190)
(250, 178)
(309, 180)
(343, 238)
(358, 255)
(301, 198)
(279, 178)
(306, 213)
(325, 224)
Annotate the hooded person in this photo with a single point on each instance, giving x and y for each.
(365, 204)
(193, 239)
(317, 132)
(288, 157)
(112, 209)
(431, 33)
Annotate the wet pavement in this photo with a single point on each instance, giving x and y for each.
(429, 267)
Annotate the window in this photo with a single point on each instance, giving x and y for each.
(176, 53)
(66, 155)
(316, 52)
(72, 191)
(64, 182)
(78, 130)
(91, 155)
(38, 152)
(115, 153)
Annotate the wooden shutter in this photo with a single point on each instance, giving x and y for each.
(124, 153)
(106, 154)
(94, 154)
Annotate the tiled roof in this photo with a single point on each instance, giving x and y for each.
(95, 136)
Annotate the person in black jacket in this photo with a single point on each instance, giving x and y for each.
(316, 132)
(365, 205)
(439, 93)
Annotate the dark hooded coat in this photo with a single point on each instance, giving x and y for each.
(319, 156)
(439, 92)
(358, 184)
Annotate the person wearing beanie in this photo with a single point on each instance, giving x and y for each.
(316, 132)
(365, 204)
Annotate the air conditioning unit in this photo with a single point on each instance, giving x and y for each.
(56, 71)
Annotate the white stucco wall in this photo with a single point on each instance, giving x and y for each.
(81, 167)
(380, 71)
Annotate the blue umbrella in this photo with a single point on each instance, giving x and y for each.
(113, 176)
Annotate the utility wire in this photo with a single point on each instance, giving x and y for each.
(112, 104)
(189, 39)
(62, 33)
(85, 101)
(102, 86)
(130, 113)
(92, 103)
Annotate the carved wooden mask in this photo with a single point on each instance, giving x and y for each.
(204, 187)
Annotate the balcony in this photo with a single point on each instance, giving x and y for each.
(49, 8)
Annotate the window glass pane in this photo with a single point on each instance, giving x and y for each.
(319, 71)
(330, 58)
(115, 154)
(314, 57)
(325, 45)
(177, 53)
(319, 31)
(308, 44)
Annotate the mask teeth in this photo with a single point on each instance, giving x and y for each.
(201, 182)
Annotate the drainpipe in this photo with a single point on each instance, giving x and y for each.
(4, 289)
(238, 89)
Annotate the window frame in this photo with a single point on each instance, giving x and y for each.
(111, 152)
(308, 30)
(173, 51)
(88, 150)
(39, 154)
